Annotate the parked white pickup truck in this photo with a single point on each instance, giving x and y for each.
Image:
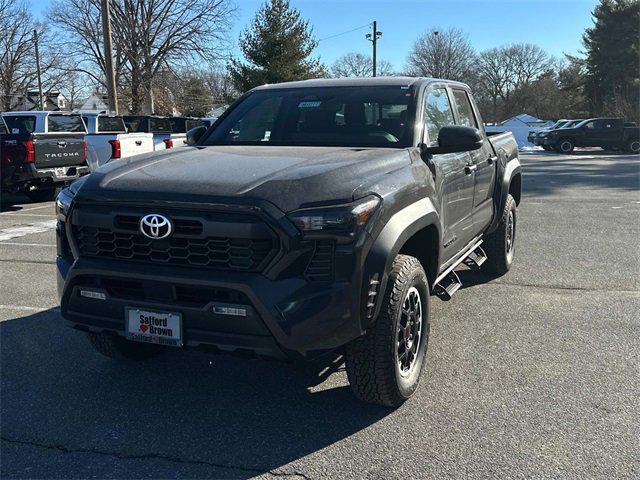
(107, 138)
(160, 127)
(179, 128)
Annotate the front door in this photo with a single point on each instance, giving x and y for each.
(456, 178)
(482, 160)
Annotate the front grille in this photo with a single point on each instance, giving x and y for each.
(320, 268)
(223, 253)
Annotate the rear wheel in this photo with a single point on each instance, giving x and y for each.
(384, 365)
(565, 145)
(42, 195)
(499, 245)
(119, 348)
(633, 146)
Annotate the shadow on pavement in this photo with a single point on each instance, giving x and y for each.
(242, 416)
(548, 175)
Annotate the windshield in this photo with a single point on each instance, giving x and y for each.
(331, 116)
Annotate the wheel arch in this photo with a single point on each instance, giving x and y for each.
(403, 233)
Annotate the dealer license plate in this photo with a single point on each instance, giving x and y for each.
(161, 328)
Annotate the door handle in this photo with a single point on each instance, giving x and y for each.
(470, 168)
(138, 142)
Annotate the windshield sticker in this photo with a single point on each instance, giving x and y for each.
(315, 104)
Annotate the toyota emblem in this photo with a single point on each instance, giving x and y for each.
(155, 226)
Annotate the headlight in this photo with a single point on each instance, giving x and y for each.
(343, 222)
(63, 204)
(542, 134)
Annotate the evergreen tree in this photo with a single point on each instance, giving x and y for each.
(613, 57)
(196, 99)
(277, 48)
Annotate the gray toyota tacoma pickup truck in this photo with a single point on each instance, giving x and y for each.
(313, 216)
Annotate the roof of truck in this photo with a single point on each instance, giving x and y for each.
(357, 82)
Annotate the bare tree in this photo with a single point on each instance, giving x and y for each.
(150, 36)
(509, 78)
(17, 54)
(442, 54)
(359, 65)
(75, 86)
(221, 85)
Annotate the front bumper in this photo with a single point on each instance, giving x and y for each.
(286, 314)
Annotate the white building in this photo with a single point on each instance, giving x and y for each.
(96, 103)
(520, 126)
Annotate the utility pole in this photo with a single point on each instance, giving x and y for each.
(108, 57)
(373, 38)
(35, 41)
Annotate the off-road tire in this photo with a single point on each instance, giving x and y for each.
(496, 245)
(119, 348)
(372, 360)
(565, 145)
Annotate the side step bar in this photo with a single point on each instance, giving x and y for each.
(448, 282)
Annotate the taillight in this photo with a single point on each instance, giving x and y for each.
(84, 144)
(168, 143)
(115, 148)
(31, 152)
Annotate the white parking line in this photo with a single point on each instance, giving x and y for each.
(20, 214)
(17, 232)
(28, 309)
(28, 244)
(28, 209)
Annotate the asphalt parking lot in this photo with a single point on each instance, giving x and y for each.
(535, 374)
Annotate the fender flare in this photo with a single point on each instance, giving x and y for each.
(400, 228)
(507, 169)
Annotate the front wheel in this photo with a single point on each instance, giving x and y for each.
(499, 244)
(566, 145)
(384, 365)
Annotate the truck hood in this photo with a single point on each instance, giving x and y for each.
(288, 177)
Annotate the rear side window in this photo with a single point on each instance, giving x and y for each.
(111, 124)
(65, 123)
(159, 125)
(437, 114)
(19, 124)
(465, 112)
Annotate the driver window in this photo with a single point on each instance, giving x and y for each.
(591, 124)
(437, 114)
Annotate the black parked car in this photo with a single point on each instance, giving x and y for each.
(607, 133)
(313, 216)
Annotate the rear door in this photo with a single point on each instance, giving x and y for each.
(482, 160)
(609, 131)
(457, 179)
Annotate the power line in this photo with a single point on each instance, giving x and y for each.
(344, 33)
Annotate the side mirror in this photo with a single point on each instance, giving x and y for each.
(453, 139)
(195, 134)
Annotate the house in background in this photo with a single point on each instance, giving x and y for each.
(53, 101)
(97, 102)
(520, 126)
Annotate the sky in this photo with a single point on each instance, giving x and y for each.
(554, 25)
